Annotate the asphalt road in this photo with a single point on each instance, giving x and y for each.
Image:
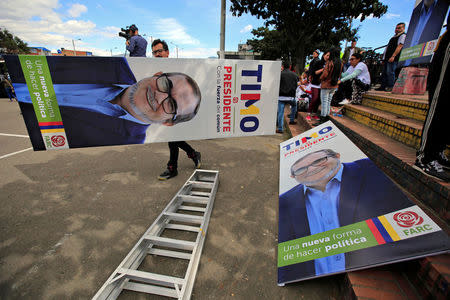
(69, 217)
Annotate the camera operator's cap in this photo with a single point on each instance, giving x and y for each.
(133, 27)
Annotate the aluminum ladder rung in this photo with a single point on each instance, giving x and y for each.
(150, 289)
(169, 253)
(192, 208)
(153, 278)
(184, 218)
(193, 199)
(202, 184)
(183, 227)
(196, 193)
(172, 243)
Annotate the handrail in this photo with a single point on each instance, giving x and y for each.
(379, 47)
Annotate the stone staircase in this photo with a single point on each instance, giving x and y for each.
(387, 128)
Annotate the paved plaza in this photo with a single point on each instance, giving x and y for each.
(69, 217)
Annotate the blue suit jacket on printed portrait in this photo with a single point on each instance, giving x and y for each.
(84, 127)
(366, 192)
(430, 32)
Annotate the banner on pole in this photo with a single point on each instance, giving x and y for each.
(424, 28)
(339, 212)
(99, 101)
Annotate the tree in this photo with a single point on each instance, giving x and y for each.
(270, 43)
(304, 25)
(11, 44)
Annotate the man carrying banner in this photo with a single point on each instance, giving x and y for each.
(160, 49)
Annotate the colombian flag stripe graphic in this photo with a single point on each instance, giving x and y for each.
(382, 230)
(52, 130)
(423, 49)
(375, 232)
(51, 127)
(49, 123)
(389, 228)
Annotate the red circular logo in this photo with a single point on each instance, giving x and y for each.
(58, 141)
(408, 219)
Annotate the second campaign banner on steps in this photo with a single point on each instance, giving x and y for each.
(71, 102)
(339, 212)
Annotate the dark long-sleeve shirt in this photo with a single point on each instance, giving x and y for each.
(137, 46)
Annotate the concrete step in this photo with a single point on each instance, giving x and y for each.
(382, 283)
(407, 106)
(407, 131)
(396, 160)
(430, 276)
(425, 278)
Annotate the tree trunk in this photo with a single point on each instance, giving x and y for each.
(300, 58)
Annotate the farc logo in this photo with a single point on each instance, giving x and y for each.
(408, 219)
(58, 141)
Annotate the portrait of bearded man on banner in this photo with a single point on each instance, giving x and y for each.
(102, 103)
(331, 194)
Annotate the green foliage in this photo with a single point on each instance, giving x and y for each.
(12, 44)
(300, 26)
(268, 43)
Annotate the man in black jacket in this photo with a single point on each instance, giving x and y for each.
(288, 85)
(390, 58)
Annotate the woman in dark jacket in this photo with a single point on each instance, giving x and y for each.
(314, 72)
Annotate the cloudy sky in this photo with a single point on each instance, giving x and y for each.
(191, 26)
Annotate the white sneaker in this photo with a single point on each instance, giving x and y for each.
(343, 102)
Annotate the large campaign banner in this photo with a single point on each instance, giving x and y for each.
(339, 212)
(70, 102)
(423, 32)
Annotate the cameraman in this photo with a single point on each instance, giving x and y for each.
(137, 45)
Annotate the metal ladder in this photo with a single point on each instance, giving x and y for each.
(188, 211)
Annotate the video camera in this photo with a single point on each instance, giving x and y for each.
(126, 32)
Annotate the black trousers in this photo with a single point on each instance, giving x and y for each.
(435, 135)
(344, 91)
(174, 151)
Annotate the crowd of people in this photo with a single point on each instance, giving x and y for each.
(332, 80)
(328, 80)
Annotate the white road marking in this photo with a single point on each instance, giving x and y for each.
(16, 135)
(17, 152)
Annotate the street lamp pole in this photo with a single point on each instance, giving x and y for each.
(151, 38)
(222, 29)
(176, 47)
(73, 44)
(111, 49)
